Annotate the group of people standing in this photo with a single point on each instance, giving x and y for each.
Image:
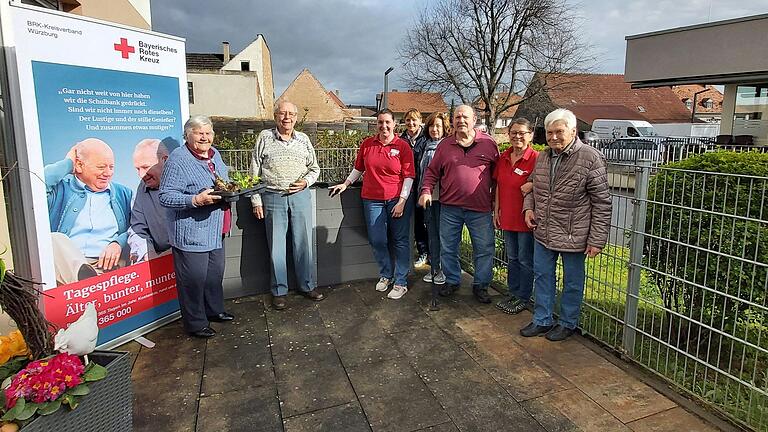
(449, 175)
(548, 205)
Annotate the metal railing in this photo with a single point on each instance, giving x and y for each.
(663, 150)
(335, 163)
(682, 286)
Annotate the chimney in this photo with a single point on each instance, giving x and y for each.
(225, 49)
(337, 92)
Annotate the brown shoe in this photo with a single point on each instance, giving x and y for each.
(314, 295)
(278, 302)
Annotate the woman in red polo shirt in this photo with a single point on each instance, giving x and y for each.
(511, 173)
(387, 161)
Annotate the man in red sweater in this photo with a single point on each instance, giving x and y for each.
(463, 165)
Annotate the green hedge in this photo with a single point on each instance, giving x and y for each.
(707, 253)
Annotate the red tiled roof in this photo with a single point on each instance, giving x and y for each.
(589, 113)
(658, 105)
(400, 102)
(684, 92)
(508, 113)
(336, 99)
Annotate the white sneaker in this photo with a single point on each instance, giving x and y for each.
(397, 292)
(421, 261)
(439, 278)
(382, 285)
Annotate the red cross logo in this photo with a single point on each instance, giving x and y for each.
(124, 48)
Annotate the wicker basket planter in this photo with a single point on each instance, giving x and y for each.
(108, 407)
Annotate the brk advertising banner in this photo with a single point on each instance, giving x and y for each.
(103, 105)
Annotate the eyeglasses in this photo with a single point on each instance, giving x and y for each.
(518, 133)
(286, 114)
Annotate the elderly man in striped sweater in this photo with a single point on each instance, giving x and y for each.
(286, 162)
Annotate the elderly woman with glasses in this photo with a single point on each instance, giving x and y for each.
(511, 174)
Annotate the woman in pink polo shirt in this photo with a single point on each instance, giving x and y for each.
(511, 173)
(387, 161)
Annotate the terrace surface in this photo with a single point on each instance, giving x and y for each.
(361, 362)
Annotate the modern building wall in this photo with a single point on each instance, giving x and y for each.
(723, 51)
(226, 94)
(729, 104)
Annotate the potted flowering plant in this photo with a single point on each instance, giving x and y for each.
(43, 386)
(37, 381)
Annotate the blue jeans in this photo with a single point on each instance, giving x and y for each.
(432, 219)
(519, 246)
(380, 223)
(480, 226)
(544, 264)
(279, 209)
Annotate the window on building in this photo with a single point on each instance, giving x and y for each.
(688, 103)
(641, 108)
(245, 66)
(751, 112)
(708, 103)
(191, 92)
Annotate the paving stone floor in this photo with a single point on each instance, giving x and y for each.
(361, 362)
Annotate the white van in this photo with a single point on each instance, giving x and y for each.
(608, 129)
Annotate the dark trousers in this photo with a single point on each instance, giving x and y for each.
(198, 282)
(420, 231)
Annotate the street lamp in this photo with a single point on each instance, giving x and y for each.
(386, 87)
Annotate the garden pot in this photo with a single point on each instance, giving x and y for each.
(108, 407)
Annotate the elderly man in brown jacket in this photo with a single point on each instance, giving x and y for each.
(570, 212)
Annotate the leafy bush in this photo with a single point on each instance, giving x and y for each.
(538, 147)
(224, 141)
(334, 139)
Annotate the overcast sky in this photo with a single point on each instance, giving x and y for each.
(348, 44)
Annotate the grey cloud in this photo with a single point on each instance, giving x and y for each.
(348, 44)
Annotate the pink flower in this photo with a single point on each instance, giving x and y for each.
(45, 380)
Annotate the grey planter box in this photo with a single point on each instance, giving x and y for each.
(109, 406)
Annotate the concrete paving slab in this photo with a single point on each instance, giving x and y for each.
(247, 410)
(624, 396)
(364, 342)
(166, 402)
(395, 398)
(430, 348)
(312, 379)
(464, 324)
(521, 374)
(474, 401)
(342, 418)
(571, 410)
(236, 365)
(674, 420)
(445, 427)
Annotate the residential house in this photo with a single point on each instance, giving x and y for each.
(707, 100)
(503, 119)
(427, 103)
(135, 13)
(714, 53)
(606, 96)
(349, 111)
(315, 103)
(230, 84)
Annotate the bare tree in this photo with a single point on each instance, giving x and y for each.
(486, 51)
